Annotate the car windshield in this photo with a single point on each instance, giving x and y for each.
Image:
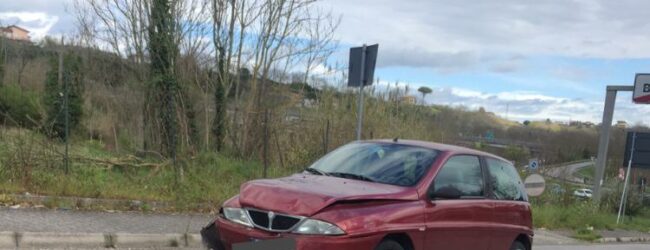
(387, 163)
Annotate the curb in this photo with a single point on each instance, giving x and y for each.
(93, 203)
(623, 239)
(97, 240)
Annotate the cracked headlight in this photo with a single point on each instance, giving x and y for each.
(316, 227)
(237, 215)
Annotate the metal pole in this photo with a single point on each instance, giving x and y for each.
(361, 85)
(627, 177)
(266, 143)
(66, 109)
(605, 126)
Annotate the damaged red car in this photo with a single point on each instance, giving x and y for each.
(382, 195)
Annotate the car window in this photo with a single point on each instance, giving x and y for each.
(387, 163)
(505, 181)
(462, 173)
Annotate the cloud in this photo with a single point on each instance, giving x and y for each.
(456, 34)
(508, 65)
(447, 61)
(523, 105)
(38, 23)
(40, 17)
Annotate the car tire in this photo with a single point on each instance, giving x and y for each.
(517, 245)
(389, 245)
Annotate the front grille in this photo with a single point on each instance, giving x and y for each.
(284, 222)
(277, 222)
(260, 218)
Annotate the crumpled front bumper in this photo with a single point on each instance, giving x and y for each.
(222, 235)
(211, 238)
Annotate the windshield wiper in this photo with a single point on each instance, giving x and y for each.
(316, 171)
(352, 176)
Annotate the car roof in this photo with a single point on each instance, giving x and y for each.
(440, 147)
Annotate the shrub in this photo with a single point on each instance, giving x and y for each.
(19, 107)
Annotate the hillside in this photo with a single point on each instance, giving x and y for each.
(301, 121)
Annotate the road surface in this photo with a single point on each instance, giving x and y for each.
(568, 172)
(46, 220)
(596, 247)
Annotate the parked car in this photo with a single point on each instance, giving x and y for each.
(382, 195)
(584, 193)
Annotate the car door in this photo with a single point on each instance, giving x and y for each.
(511, 209)
(463, 222)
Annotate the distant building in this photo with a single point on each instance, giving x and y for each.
(621, 124)
(14, 32)
(408, 99)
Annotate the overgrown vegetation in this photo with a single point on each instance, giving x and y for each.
(245, 102)
(558, 208)
(96, 173)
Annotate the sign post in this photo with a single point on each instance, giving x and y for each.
(363, 82)
(361, 73)
(627, 180)
(641, 90)
(603, 145)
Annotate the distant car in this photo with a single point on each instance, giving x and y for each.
(583, 193)
(382, 195)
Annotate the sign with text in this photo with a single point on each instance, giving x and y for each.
(642, 88)
(641, 157)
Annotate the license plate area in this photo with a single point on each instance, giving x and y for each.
(275, 244)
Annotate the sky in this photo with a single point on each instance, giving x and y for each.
(524, 60)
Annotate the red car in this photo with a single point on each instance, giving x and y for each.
(382, 195)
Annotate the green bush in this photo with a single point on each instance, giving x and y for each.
(19, 107)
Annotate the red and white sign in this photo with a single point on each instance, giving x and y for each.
(621, 173)
(642, 88)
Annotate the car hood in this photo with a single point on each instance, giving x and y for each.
(306, 194)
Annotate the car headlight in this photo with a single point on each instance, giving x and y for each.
(310, 226)
(237, 215)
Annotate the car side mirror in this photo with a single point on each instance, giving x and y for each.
(446, 193)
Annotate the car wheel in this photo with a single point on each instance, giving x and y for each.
(389, 245)
(517, 245)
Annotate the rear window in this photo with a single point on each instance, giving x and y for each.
(505, 181)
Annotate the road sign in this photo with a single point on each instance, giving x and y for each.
(641, 89)
(362, 65)
(361, 73)
(641, 157)
(535, 185)
(533, 164)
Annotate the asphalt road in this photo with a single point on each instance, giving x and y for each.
(596, 247)
(573, 247)
(567, 172)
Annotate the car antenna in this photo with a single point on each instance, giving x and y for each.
(395, 139)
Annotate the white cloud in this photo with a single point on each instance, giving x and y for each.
(458, 34)
(39, 24)
(522, 106)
